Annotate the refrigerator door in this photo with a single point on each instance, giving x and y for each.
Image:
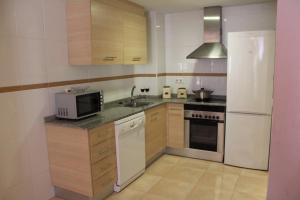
(250, 72)
(247, 140)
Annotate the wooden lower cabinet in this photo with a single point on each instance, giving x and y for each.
(175, 125)
(82, 161)
(155, 133)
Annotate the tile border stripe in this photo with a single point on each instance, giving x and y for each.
(17, 88)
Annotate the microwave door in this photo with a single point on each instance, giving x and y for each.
(87, 104)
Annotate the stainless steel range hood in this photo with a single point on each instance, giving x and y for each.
(212, 46)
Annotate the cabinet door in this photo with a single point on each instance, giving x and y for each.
(103, 158)
(155, 137)
(107, 34)
(135, 38)
(175, 123)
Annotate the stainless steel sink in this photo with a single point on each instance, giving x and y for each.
(137, 104)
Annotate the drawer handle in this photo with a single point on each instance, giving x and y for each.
(103, 152)
(154, 119)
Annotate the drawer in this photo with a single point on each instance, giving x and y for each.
(105, 181)
(103, 149)
(103, 166)
(102, 133)
(175, 107)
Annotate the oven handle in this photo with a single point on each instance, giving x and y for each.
(187, 133)
(221, 137)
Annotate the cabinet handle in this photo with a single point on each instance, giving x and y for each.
(136, 59)
(154, 119)
(109, 58)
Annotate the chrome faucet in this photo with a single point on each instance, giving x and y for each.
(132, 91)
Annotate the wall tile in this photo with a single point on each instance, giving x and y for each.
(9, 72)
(14, 146)
(57, 65)
(7, 18)
(42, 187)
(55, 20)
(22, 191)
(108, 70)
(114, 90)
(184, 28)
(30, 18)
(249, 18)
(30, 60)
(146, 82)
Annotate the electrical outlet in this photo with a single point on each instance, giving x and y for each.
(179, 80)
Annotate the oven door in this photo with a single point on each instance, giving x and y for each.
(88, 104)
(204, 134)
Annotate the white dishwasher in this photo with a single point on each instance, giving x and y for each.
(130, 149)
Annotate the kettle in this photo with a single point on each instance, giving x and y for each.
(202, 94)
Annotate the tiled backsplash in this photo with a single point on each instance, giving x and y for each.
(184, 33)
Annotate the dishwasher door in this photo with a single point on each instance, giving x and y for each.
(130, 147)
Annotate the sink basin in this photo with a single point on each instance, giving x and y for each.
(137, 104)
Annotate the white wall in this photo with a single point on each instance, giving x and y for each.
(33, 49)
(184, 33)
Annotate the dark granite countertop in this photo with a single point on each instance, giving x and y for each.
(114, 111)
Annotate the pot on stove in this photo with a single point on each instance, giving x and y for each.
(202, 94)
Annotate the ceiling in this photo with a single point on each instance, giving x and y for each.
(166, 6)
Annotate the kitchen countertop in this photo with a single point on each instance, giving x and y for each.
(114, 111)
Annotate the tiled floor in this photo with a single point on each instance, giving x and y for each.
(178, 178)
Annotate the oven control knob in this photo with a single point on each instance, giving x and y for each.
(200, 116)
(214, 117)
(209, 117)
(205, 116)
(218, 117)
(193, 115)
(197, 115)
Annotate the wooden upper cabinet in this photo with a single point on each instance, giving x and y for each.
(135, 39)
(106, 32)
(107, 36)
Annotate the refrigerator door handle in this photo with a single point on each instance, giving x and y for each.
(248, 113)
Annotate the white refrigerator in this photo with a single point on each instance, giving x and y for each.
(250, 71)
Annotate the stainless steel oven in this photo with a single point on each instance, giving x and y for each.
(204, 131)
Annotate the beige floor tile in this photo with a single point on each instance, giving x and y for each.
(220, 167)
(126, 194)
(252, 185)
(219, 181)
(144, 183)
(169, 159)
(185, 174)
(175, 190)
(154, 197)
(194, 163)
(254, 173)
(159, 168)
(179, 178)
(199, 193)
(247, 196)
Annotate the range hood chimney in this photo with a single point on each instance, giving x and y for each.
(212, 46)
